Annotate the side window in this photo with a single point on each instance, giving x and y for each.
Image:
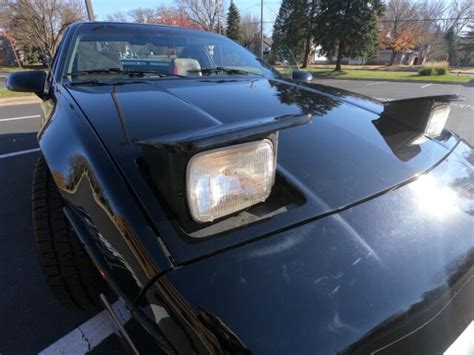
(54, 62)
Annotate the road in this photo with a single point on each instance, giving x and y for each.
(30, 318)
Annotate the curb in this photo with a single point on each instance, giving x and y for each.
(22, 100)
(471, 83)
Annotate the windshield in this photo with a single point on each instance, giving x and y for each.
(157, 52)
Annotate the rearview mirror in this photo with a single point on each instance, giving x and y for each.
(27, 81)
(302, 75)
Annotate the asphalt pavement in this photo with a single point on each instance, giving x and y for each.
(31, 321)
(30, 318)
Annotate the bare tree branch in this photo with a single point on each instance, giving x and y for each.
(39, 24)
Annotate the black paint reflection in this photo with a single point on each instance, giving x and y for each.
(400, 139)
(308, 102)
(424, 316)
(207, 333)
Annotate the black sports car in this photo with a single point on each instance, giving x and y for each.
(237, 211)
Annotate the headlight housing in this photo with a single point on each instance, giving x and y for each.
(229, 179)
(437, 120)
(210, 171)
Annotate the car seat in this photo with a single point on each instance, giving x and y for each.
(89, 58)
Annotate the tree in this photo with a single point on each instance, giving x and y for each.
(466, 45)
(452, 43)
(250, 32)
(459, 13)
(207, 14)
(233, 23)
(165, 15)
(311, 13)
(143, 15)
(118, 16)
(429, 36)
(348, 28)
(39, 24)
(174, 16)
(289, 30)
(398, 28)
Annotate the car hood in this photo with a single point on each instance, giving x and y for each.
(349, 153)
(392, 275)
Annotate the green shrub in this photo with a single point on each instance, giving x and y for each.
(434, 68)
(425, 71)
(440, 71)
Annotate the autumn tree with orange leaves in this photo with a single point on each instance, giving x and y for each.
(398, 30)
(162, 14)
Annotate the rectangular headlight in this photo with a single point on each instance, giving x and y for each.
(226, 180)
(437, 120)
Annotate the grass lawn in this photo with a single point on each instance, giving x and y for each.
(382, 75)
(8, 69)
(5, 93)
(24, 68)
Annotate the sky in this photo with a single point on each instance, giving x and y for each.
(102, 8)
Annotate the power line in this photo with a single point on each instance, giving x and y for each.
(431, 19)
(414, 20)
(266, 3)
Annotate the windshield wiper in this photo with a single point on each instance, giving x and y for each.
(222, 70)
(106, 83)
(139, 73)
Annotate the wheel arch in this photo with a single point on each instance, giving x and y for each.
(95, 191)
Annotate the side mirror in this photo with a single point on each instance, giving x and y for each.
(27, 81)
(302, 75)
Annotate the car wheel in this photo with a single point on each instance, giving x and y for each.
(69, 271)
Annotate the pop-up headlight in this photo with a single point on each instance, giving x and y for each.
(226, 180)
(426, 115)
(207, 173)
(437, 120)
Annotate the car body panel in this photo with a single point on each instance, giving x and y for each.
(370, 261)
(89, 181)
(319, 158)
(396, 269)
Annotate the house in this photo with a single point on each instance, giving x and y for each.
(406, 57)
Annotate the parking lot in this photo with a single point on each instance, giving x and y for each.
(31, 320)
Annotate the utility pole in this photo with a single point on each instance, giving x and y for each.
(90, 10)
(261, 29)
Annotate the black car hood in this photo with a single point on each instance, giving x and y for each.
(344, 156)
(393, 275)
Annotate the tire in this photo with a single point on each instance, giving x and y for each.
(69, 271)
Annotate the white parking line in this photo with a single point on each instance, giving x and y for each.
(21, 152)
(425, 86)
(377, 83)
(19, 118)
(89, 334)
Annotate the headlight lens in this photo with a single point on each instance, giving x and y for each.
(437, 121)
(225, 180)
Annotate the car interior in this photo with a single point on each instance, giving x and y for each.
(158, 57)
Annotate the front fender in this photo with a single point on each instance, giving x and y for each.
(93, 187)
